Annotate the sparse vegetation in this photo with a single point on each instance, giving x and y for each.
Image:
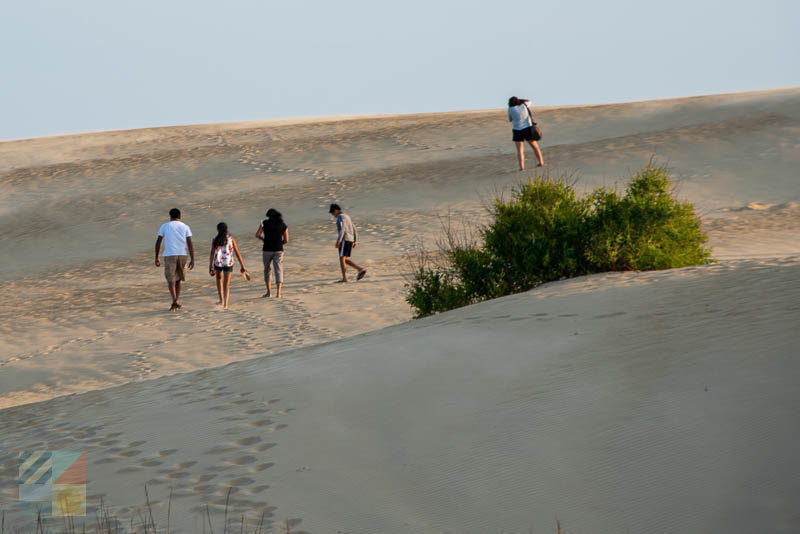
(104, 521)
(547, 232)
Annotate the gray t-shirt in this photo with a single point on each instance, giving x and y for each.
(346, 228)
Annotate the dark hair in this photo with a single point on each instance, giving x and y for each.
(174, 213)
(222, 235)
(334, 207)
(274, 215)
(514, 101)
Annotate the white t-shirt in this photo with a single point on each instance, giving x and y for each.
(518, 115)
(175, 234)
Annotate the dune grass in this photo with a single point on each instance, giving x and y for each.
(104, 522)
(547, 232)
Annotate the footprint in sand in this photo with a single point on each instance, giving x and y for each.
(243, 460)
(131, 469)
(240, 481)
(261, 467)
(262, 422)
(255, 490)
(247, 441)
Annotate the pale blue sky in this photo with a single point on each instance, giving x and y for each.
(84, 65)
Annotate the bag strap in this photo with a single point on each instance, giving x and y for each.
(530, 116)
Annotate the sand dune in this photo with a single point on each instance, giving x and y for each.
(648, 402)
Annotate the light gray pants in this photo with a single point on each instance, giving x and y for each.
(273, 259)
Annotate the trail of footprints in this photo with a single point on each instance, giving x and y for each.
(250, 157)
(237, 466)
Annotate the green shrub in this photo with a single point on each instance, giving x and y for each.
(476, 271)
(537, 236)
(546, 233)
(435, 290)
(646, 229)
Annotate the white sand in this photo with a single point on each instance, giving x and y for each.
(644, 402)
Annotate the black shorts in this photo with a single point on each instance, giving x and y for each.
(525, 134)
(223, 269)
(345, 249)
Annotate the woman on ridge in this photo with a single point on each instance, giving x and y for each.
(220, 262)
(522, 125)
(274, 233)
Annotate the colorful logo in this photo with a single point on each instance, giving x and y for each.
(53, 483)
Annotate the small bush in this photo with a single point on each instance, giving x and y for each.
(646, 229)
(434, 290)
(537, 236)
(546, 233)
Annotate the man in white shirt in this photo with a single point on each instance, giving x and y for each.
(177, 239)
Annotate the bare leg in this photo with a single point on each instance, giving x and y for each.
(520, 154)
(269, 289)
(353, 265)
(343, 266)
(538, 152)
(174, 294)
(219, 287)
(226, 288)
(279, 285)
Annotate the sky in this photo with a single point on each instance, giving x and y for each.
(88, 65)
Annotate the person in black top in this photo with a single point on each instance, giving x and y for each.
(274, 233)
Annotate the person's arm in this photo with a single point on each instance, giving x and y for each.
(260, 232)
(159, 239)
(191, 252)
(285, 236)
(211, 259)
(355, 234)
(340, 228)
(238, 255)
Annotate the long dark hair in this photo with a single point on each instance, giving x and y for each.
(274, 215)
(222, 235)
(514, 101)
(274, 218)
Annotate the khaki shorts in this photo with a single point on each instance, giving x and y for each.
(175, 268)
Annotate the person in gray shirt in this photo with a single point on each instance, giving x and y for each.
(346, 240)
